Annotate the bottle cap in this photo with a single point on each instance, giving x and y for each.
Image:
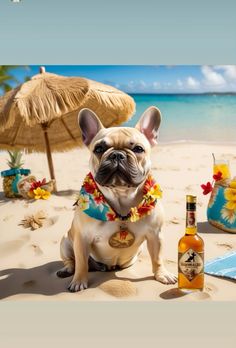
(191, 199)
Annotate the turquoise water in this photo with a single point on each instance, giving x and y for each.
(206, 118)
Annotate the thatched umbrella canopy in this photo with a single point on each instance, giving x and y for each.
(41, 114)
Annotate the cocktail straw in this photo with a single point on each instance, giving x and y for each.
(214, 159)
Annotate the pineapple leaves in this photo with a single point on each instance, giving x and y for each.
(15, 159)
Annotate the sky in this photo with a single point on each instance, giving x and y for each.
(149, 78)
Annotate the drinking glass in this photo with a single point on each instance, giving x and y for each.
(222, 165)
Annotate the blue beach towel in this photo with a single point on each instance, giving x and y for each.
(223, 266)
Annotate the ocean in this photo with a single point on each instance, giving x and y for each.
(191, 117)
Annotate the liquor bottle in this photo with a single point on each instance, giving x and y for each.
(191, 252)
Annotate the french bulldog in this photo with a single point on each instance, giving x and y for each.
(120, 164)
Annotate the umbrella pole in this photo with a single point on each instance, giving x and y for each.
(49, 155)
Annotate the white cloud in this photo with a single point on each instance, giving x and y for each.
(192, 82)
(135, 86)
(156, 85)
(211, 77)
(142, 84)
(229, 71)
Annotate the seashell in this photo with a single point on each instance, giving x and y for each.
(49, 186)
(24, 184)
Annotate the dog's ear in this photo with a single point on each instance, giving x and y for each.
(89, 124)
(149, 124)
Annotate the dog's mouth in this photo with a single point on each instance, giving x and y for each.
(118, 173)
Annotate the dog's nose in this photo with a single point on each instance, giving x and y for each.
(117, 156)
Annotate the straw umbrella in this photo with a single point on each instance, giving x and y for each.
(41, 114)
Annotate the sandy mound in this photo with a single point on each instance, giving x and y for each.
(119, 288)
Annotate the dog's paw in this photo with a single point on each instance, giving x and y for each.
(65, 272)
(77, 285)
(165, 277)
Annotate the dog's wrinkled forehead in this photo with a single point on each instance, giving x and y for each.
(120, 137)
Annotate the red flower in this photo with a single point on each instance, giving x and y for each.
(89, 184)
(110, 216)
(148, 184)
(218, 176)
(99, 199)
(207, 188)
(36, 184)
(89, 187)
(145, 208)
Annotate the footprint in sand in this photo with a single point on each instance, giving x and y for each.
(119, 288)
(13, 246)
(225, 246)
(7, 217)
(38, 251)
(175, 221)
(157, 168)
(51, 221)
(170, 262)
(210, 288)
(168, 187)
(61, 208)
(175, 169)
(189, 188)
(199, 204)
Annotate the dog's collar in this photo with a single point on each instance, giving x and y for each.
(93, 203)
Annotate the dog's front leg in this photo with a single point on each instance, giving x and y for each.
(81, 252)
(154, 245)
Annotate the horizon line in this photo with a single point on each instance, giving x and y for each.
(180, 93)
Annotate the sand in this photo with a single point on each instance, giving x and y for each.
(29, 258)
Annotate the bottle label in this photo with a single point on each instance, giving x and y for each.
(191, 263)
(190, 219)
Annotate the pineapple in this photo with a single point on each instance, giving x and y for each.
(15, 163)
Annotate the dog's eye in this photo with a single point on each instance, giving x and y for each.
(99, 149)
(138, 149)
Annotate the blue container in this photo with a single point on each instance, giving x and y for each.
(221, 211)
(10, 172)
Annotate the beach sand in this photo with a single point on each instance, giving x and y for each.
(29, 259)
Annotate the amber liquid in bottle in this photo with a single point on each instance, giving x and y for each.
(191, 252)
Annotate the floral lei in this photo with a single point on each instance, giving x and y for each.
(93, 203)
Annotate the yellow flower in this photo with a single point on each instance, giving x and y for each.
(230, 196)
(233, 184)
(83, 202)
(229, 215)
(231, 205)
(41, 193)
(134, 215)
(155, 192)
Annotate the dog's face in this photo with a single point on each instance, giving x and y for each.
(120, 156)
